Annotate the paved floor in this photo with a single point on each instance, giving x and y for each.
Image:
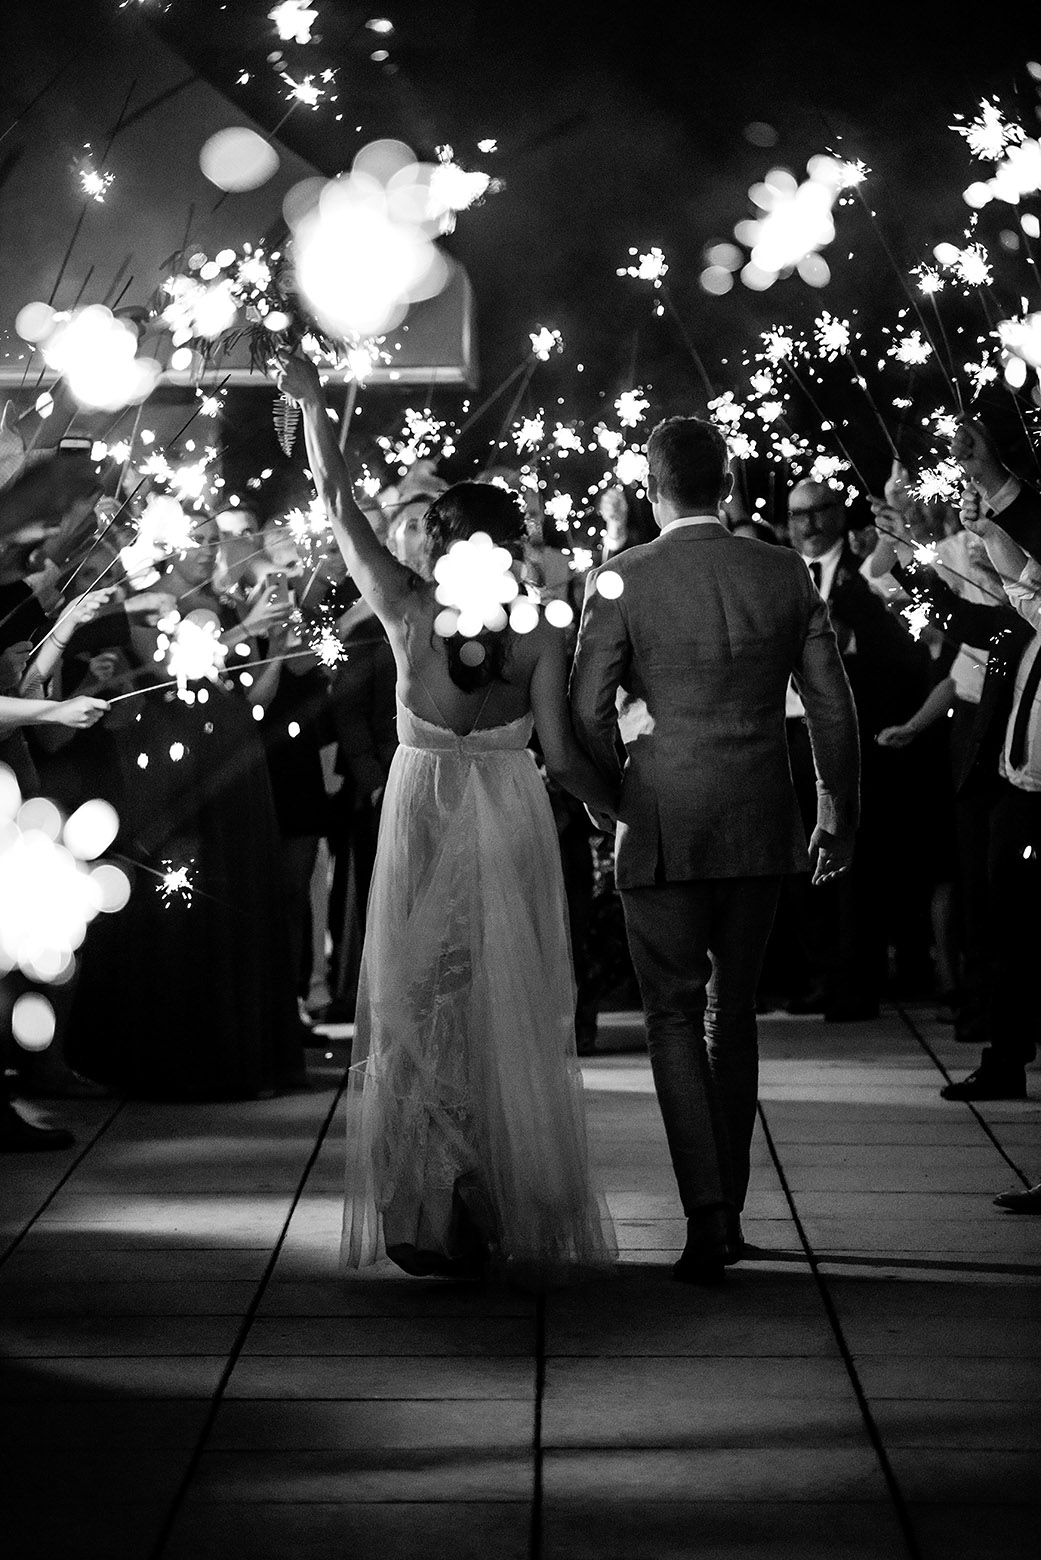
(186, 1376)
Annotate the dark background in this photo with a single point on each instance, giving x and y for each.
(624, 126)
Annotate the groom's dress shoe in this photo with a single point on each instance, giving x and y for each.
(1026, 1201)
(704, 1258)
(988, 1083)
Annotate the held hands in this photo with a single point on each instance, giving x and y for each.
(830, 855)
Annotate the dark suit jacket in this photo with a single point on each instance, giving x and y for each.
(1022, 521)
(363, 708)
(888, 672)
(1004, 635)
(703, 639)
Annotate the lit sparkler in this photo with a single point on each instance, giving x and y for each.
(911, 350)
(175, 883)
(294, 20)
(990, 134)
(650, 267)
(544, 342)
(631, 408)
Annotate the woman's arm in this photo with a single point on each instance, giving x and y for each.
(565, 761)
(383, 581)
(935, 707)
(78, 713)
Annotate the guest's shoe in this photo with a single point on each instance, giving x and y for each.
(851, 1013)
(806, 1003)
(704, 1258)
(1028, 1201)
(18, 1136)
(988, 1083)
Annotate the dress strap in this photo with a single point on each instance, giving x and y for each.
(445, 722)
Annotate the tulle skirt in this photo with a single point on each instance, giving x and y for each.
(465, 1120)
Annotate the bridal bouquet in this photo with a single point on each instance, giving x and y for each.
(212, 305)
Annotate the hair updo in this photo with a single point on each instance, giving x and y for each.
(458, 514)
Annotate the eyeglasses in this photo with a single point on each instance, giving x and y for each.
(813, 509)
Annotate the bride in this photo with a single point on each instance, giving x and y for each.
(466, 1126)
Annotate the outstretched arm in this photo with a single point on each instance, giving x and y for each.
(383, 581)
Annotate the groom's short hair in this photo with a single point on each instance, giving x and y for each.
(688, 460)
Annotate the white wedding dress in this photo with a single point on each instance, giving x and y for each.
(466, 1125)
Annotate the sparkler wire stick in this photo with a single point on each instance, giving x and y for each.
(44, 91)
(529, 367)
(83, 209)
(912, 300)
(490, 399)
(240, 666)
(677, 320)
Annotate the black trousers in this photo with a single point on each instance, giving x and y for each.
(1009, 923)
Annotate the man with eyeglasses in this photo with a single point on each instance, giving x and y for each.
(887, 672)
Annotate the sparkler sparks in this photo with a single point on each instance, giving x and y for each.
(530, 434)
(304, 92)
(631, 467)
(942, 481)
(970, 265)
(911, 350)
(294, 20)
(544, 342)
(650, 267)
(990, 134)
(193, 650)
(175, 884)
(631, 408)
(94, 184)
(832, 336)
(929, 280)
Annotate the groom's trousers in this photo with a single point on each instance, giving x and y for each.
(697, 949)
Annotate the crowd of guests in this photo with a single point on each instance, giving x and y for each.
(249, 810)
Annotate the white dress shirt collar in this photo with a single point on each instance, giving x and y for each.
(674, 525)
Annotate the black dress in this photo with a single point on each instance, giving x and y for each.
(187, 992)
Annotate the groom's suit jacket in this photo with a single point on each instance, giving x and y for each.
(690, 664)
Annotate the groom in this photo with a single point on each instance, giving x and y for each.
(702, 640)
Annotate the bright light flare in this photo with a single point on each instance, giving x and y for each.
(650, 267)
(48, 895)
(192, 648)
(95, 353)
(475, 581)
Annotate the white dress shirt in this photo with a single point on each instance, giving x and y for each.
(1025, 596)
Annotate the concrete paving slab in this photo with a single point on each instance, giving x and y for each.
(273, 1531)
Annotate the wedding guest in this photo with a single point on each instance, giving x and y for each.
(190, 995)
(1001, 775)
(887, 671)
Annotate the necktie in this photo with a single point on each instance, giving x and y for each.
(1017, 750)
(817, 573)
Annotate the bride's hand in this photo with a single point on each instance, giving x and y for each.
(297, 377)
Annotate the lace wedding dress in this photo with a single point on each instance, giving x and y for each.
(466, 1126)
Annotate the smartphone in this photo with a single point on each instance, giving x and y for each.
(277, 588)
(75, 444)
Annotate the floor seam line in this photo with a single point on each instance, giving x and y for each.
(52, 1194)
(535, 1538)
(981, 1121)
(248, 1319)
(896, 1494)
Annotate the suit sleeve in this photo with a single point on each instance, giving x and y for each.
(601, 661)
(1022, 521)
(831, 719)
(352, 713)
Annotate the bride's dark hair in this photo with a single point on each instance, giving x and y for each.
(456, 515)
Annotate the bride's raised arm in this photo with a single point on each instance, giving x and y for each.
(384, 582)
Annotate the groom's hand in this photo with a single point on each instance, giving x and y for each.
(603, 821)
(830, 854)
